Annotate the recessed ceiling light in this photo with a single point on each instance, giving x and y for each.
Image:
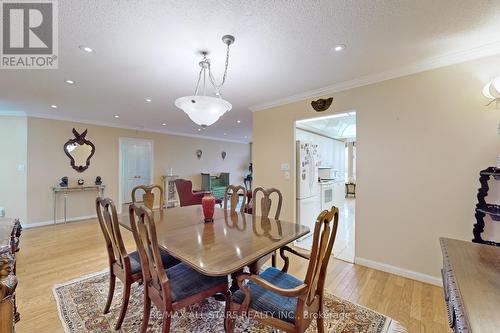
(53, 106)
(238, 121)
(246, 137)
(339, 47)
(116, 116)
(164, 124)
(70, 82)
(199, 129)
(148, 100)
(86, 49)
(225, 133)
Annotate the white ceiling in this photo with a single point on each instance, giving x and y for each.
(149, 49)
(340, 126)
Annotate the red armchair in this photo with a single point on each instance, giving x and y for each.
(185, 192)
(188, 197)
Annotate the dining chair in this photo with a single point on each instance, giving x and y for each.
(126, 266)
(148, 197)
(265, 209)
(279, 299)
(232, 194)
(168, 289)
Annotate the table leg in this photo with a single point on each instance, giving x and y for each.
(55, 207)
(234, 284)
(65, 202)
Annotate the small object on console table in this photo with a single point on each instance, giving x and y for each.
(208, 204)
(98, 180)
(484, 208)
(64, 182)
(81, 181)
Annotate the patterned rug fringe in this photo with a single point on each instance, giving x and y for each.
(396, 327)
(64, 284)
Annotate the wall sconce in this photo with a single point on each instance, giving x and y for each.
(492, 91)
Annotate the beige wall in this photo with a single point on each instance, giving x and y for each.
(13, 137)
(421, 141)
(47, 162)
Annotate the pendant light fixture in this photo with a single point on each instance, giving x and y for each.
(492, 91)
(205, 109)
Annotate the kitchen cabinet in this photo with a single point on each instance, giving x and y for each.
(331, 151)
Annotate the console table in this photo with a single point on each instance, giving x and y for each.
(99, 189)
(170, 196)
(471, 280)
(10, 232)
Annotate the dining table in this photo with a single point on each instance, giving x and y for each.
(225, 246)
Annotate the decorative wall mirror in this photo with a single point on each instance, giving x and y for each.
(79, 150)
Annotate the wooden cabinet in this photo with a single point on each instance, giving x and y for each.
(471, 278)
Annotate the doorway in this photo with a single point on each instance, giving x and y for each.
(136, 166)
(331, 142)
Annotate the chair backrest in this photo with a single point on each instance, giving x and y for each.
(108, 221)
(232, 194)
(148, 197)
(266, 202)
(144, 231)
(324, 237)
(265, 224)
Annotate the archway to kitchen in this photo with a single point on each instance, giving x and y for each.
(325, 176)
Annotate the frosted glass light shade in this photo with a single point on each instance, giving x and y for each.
(203, 110)
(492, 89)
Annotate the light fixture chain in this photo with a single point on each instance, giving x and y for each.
(198, 83)
(210, 75)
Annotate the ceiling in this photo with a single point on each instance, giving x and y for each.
(340, 126)
(149, 49)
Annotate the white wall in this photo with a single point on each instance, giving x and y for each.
(421, 142)
(47, 163)
(13, 136)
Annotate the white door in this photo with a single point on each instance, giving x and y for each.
(136, 166)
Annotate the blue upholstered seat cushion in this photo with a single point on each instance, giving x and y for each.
(185, 281)
(135, 261)
(266, 301)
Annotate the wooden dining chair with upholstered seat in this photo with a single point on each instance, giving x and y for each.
(148, 197)
(232, 198)
(168, 289)
(265, 209)
(126, 266)
(281, 300)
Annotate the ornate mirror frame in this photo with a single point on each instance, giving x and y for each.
(81, 140)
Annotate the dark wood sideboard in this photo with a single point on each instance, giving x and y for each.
(10, 232)
(471, 280)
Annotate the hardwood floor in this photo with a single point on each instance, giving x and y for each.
(56, 254)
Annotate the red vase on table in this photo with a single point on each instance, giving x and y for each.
(208, 204)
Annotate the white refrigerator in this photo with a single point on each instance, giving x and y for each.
(308, 198)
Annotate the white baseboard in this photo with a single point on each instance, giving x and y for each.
(58, 221)
(437, 281)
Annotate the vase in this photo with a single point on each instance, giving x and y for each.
(208, 204)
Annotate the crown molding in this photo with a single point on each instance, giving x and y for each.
(433, 63)
(135, 128)
(13, 113)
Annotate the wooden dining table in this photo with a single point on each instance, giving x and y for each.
(222, 247)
